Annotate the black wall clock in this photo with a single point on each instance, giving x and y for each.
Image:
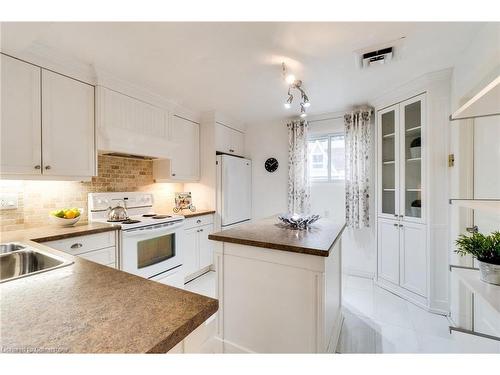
(271, 165)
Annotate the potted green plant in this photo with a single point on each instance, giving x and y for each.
(486, 249)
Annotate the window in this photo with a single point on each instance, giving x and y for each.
(326, 158)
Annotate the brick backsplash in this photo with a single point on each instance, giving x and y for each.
(37, 198)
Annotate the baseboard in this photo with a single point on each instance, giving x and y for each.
(357, 272)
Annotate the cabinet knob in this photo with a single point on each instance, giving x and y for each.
(173, 174)
(76, 246)
(198, 221)
(401, 225)
(395, 225)
(401, 215)
(395, 215)
(201, 230)
(231, 150)
(37, 167)
(48, 167)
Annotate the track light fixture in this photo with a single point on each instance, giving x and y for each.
(296, 84)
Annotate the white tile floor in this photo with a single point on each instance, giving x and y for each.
(205, 285)
(377, 321)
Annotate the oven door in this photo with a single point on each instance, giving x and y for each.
(152, 250)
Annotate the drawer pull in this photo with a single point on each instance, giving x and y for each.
(76, 246)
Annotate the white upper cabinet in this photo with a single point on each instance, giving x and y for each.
(184, 164)
(21, 147)
(132, 126)
(68, 147)
(47, 128)
(229, 140)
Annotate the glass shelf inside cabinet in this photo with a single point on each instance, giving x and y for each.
(413, 159)
(388, 124)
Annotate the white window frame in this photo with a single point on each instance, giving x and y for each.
(329, 137)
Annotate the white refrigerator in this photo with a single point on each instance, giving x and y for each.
(234, 190)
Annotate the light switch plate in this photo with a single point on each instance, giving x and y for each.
(8, 201)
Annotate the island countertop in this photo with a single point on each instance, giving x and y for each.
(90, 308)
(270, 233)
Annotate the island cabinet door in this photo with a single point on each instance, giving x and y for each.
(388, 250)
(206, 246)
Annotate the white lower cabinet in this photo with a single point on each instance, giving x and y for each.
(402, 255)
(198, 250)
(413, 258)
(99, 248)
(388, 254)
(201, 340)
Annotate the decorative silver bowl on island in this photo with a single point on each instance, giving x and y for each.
(296, 221)
(490, 273)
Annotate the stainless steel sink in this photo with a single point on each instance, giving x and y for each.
(18, 260)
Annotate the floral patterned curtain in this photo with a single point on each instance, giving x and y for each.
(357, 127)
(298, 168)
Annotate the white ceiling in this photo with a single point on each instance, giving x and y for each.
(236, 67)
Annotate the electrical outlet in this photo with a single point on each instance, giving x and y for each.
(8, 201)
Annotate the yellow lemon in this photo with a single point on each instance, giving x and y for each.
(69, 215)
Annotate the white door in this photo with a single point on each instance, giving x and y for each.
(388, 250)
(411, 155)
(190, 251)
(388, 162)
(20, 131)
(206, 246)
(186, 158)
(236, 180)
(413, 257)
(68, 142)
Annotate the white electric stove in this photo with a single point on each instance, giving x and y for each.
(151, 243)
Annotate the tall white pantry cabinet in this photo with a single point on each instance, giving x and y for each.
(411, 191)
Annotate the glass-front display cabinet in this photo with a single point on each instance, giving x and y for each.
(400, 160)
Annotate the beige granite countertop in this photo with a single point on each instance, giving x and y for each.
(270, 233)
(90, 308)
(53, 232)
(187, 214)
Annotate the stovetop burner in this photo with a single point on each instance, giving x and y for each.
(148, 215)
(160, 217)
(131, 221)
(127, 221)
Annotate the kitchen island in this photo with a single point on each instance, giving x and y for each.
(91, 308)
(279, 289)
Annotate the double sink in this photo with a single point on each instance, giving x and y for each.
(19, 260)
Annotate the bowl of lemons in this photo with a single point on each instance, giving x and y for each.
(66, 216)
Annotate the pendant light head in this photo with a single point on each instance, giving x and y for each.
(296, 84)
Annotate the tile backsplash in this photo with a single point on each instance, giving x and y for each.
(37, 198)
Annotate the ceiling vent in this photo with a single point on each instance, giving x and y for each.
(378, 57)
(380, 54)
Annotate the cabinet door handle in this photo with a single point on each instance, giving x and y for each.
(48, 167)
(401, 225)
(37, 167)
(76, 246)
(395, 225)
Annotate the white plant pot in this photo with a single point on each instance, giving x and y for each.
(490, 273)
(415, 211)
(415, 152)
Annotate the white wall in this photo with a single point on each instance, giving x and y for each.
(269, 190)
